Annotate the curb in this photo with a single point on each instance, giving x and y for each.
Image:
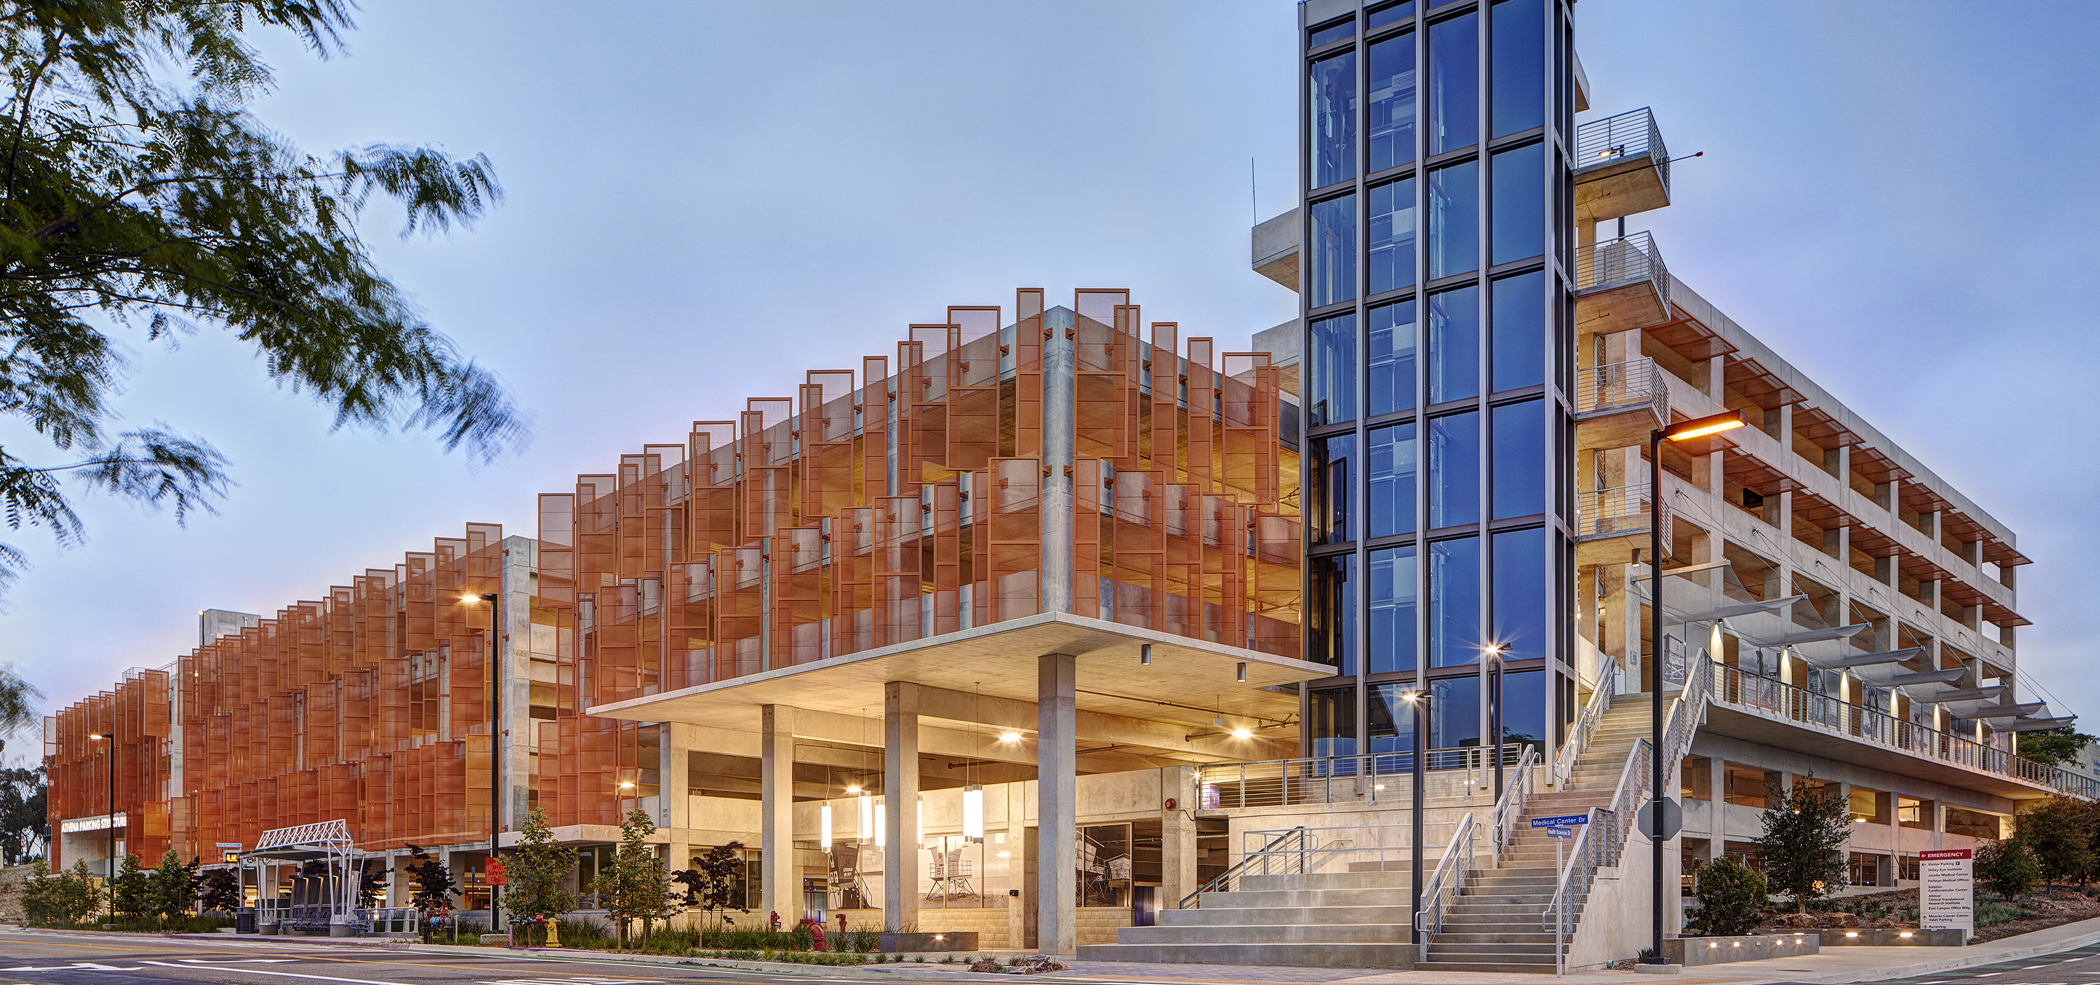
(1950, 964)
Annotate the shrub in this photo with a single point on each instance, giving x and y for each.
(2007, 868)
(1731, 899)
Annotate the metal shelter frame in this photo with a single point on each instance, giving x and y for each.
(329, 841)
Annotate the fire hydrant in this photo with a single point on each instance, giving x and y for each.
(816, 934)
(776, 921)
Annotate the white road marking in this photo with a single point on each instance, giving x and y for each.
(288, 974)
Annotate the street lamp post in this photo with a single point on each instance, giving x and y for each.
(109, 819)
(1696, 428)
(1494, 655)
(1420, 700)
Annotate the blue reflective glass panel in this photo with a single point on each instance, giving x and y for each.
(1331, 475)
(1389, 14)
(1454, 83)
(1523, 703)
(1517, 67)
(1331, 273)
(1391, 640)
(1330, 610)
(1454, 719)
(1454, 602)
(1454, 345)
(1332, 715)
(1392, 109)
(1517, 341)
(1519, 620)
(1392, 357)
(1454, 469)
(1335, 32)
(1333, 116)
(1392, 725)
(1518, 437)
(1390, 461)
(1519, 209)
(1454, 219)
(1392, 235)
(1330, 387)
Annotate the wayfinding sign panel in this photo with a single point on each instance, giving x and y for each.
(1947, 890)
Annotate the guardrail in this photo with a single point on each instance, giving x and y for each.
(1444, 883)
(1776, 699)
(387, 920)
(1622, 386)
(1632, 259)
(1600, 143)
(1365, 778)
(1592, 713)
(1602, 513)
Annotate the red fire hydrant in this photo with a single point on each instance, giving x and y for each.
(842, 925)
(776, 921)
(816, 934)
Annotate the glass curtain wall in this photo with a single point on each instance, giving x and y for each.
(1437, 309)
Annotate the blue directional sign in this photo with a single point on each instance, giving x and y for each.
(1558, 831)
(1560, 822)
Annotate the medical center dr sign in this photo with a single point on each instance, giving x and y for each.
(1947, 890)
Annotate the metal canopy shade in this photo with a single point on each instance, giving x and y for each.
(1816, 635)
(1745, 609)
(1928, 677)
(2017, 709)
(2031, 724)
(1883, 657)
(1189, 682)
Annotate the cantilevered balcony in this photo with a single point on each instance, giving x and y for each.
(1767, 711)
(1621, 285)
(1611, 524)
(1617, 404)
(1621, 167)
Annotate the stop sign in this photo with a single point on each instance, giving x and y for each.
(496, 872)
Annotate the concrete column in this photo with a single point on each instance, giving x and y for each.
(1057, 887)
(1939, 824)
(675, 741)
(1017, 909)
(1178, 853)
(900, 794)
(780, 879)
(1060, 401)
(514, 649)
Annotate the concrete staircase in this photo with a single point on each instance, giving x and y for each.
(1352, 919)
(1498, 923)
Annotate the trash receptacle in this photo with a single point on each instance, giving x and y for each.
(244, 921)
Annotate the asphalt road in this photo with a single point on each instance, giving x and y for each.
(2077, 966)
(49, 957)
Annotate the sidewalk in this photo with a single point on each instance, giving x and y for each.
(1833, 966)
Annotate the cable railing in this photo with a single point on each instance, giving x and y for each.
(1586, 725)
(1630, 259)
(1444, 883)
(1622, 386)
(1364, 778)
(1601, 143)
(1601, 513)
(1776, 699)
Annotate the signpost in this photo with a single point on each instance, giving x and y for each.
(1947, 891)
(1560, 828)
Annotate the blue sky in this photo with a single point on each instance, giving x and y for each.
(705, 199)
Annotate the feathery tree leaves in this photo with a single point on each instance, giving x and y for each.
(138, 193)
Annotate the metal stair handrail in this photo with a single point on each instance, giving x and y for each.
(1502, 823)
(1225, 878)
(1582, 863)
(1586, 724)
(1444, 882)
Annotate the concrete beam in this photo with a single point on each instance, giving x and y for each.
(1169, 737)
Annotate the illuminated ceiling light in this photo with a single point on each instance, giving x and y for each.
(853, 789)
(866, 828)
(1242, 733)
(824, 826)
(973, 811)
(1009, 736)
(627, 784)
(882, 825)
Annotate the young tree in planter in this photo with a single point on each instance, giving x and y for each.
(1803, 845)
(538, 867)
(638, 887)
(39, 893)
(77, 896)
(712, 885)
(219, 891)
(130, 894)
(1731, 899)
(434, 886)
(170, 889)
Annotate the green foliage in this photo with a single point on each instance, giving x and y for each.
(129, 896)
(171, 888)
(371, 884)
(1990, 913)
(1731, 898)
(1803, 845)
(637, 886)
(2054, 747)
(25, 826)
(2061, 834)
(2007, 868)
(538, 867)
(138, 192)
(219, 891)
(60, 900)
